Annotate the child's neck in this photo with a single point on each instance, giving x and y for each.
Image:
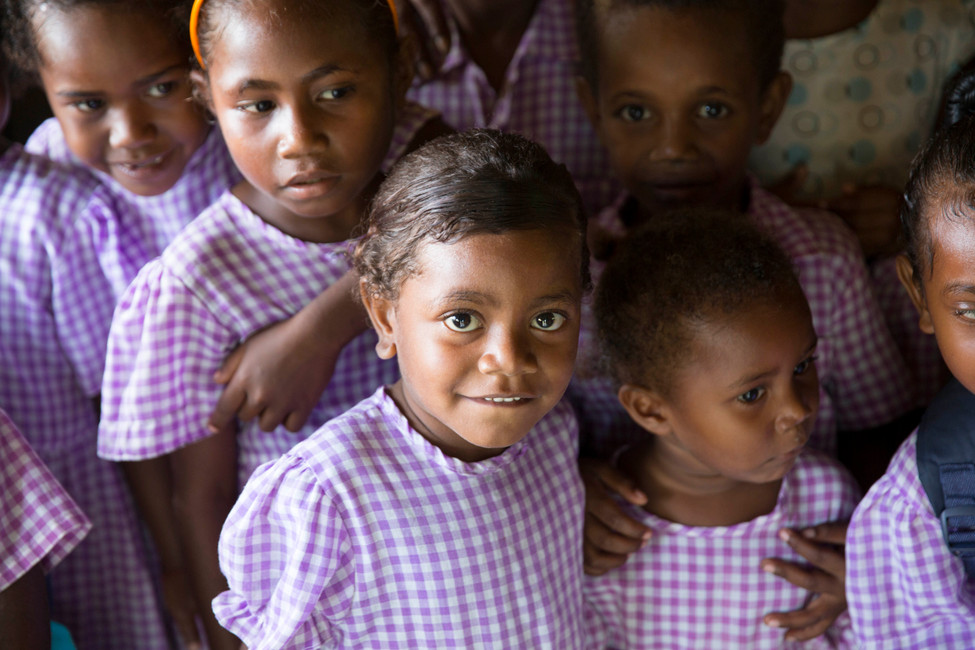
(818, 18)
(491, 31)
(679, 494)
(318, 230)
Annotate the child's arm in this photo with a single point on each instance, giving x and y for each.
(151, 485)
(25, 623)
(823, 547)
(609, 535)
(279, 374)
(204, 490)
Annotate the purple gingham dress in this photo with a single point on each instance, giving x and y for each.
(367, 536)
(145, 225)
(702, 587)
(538, 98)
(904, 587)
(55, 308)
(39, 522)
(863, 379)
(226, 276)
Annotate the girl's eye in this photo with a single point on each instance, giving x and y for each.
(548, 321)
(967, 314)
(634, 113)
(712, 110)
(803, 366)
(160, 90)
(335, 93)
(261, 106)
(751, 396)
(462, 322)
(89, 105)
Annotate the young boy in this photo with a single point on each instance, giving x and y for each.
(679, 92)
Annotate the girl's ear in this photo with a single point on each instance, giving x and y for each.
(773, 102)
(403, 67)
(646, 408)
(200, 89)
(382, 314)
(911, 282)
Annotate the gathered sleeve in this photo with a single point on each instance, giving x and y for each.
(288, 560)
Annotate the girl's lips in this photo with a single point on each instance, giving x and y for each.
(311, 185)
(143, 166)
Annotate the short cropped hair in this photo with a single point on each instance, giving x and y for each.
(479, 181)
(942, 175)
(763, 21)
(680, 271)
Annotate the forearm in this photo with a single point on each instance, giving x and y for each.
(25, 622)
(151, 484)
(334, 316)
(204, 487)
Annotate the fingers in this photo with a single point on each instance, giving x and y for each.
(610, 535)
(808, 578)
(231, 400)
(833, 532)
(230, 365)
(827, 556)
(809, 622)
(297, 419)
(600, 471)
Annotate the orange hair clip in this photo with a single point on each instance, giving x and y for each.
(195, 31)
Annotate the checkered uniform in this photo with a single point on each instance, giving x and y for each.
(40, 521)
(367, 536)
(226, 276)
(695, 587)
(538, 99)
(904, 587)
(863, 380)
(55, 308)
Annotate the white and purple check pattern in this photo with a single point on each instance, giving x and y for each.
(904, 587)
(367, 536)
(702, 587)
(55, 310)
(145, 225)
(39, 521)
(863, 379)
(226, 276)
(538, 99)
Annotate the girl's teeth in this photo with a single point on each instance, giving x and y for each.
(502, 399)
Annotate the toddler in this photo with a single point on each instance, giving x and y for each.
(711, 340)
(444, 510)
(905, 588)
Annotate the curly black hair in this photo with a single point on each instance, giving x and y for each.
(683, 269)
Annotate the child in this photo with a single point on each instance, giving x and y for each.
(445, 510)
(905, 587)
(710, 337)
(55, 309)
(47, 523)
(305, 95)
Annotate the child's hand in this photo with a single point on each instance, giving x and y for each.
(181, 607)
(609, 535)
(278, 375)
(822, 546)
(873, 214)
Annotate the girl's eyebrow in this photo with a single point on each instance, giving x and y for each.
(143, 81)
(745, 381)
(477, 297)
(959, 287)
(317, 73)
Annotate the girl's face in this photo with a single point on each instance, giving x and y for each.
(307, 109)
(486, 336)
(120, 90)
(744, 406)
(947, 304)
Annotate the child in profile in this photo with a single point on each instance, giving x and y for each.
(906, 588)
(445, 510)
(711, 341)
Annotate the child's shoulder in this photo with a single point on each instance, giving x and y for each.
(900, 486)
(818, 482)
(804, 232)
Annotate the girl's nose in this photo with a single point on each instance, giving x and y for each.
(798, 405)
(132, 127)
(507, 353)
(303, 134)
